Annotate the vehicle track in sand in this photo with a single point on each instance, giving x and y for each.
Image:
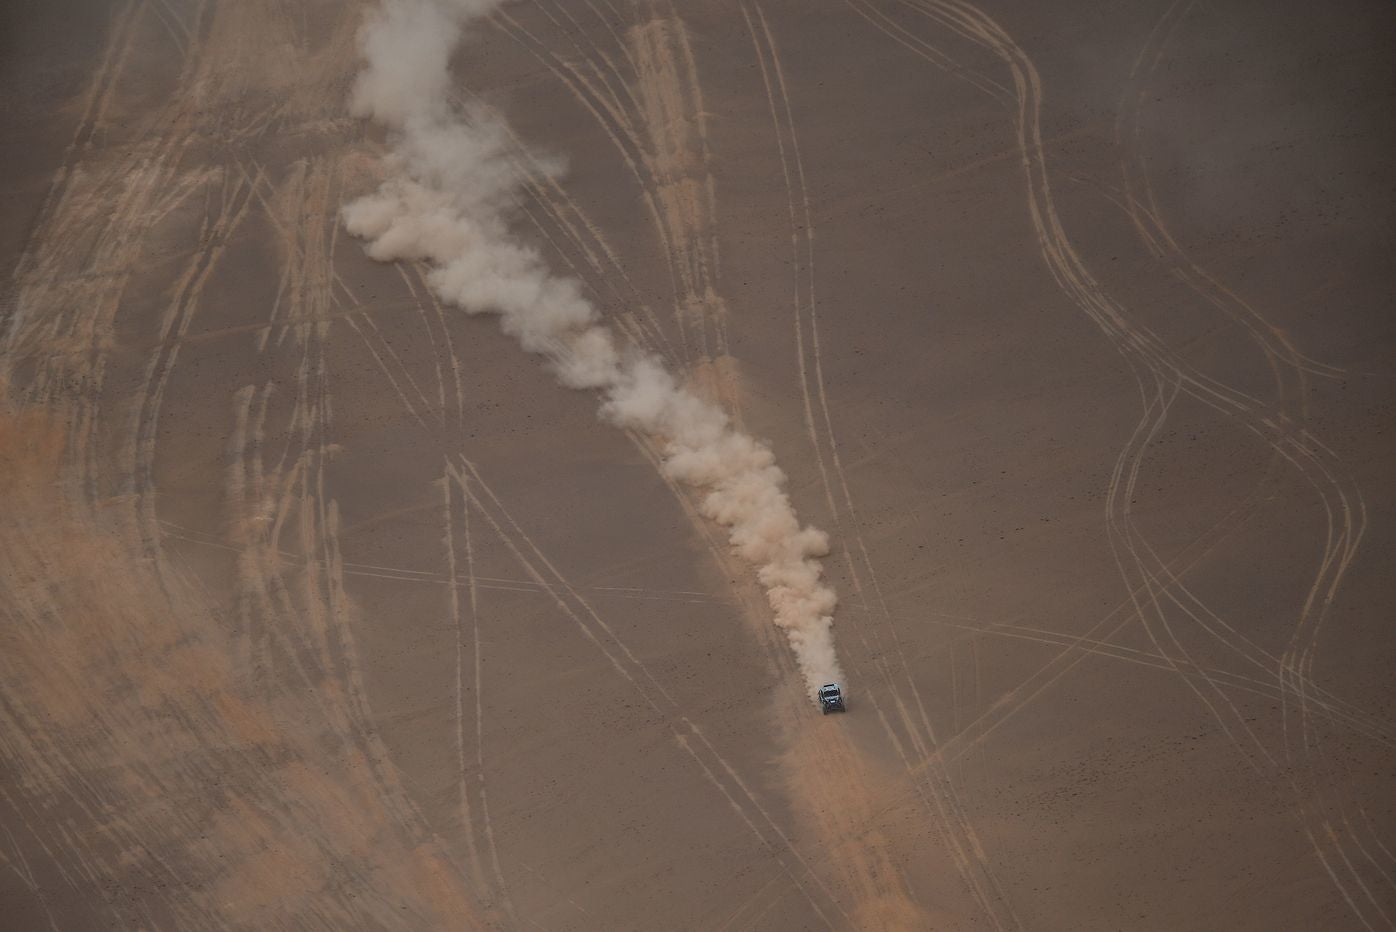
(286, 814)
(1291, 371)
(646, 96)
(1162, 374)
(193, 761)
(909, 733)
(462, 475)
(686, 206)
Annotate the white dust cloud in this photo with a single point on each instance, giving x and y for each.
(447, 202)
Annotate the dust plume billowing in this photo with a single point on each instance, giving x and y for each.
(447, 201)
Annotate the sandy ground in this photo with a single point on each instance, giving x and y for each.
(323, 607)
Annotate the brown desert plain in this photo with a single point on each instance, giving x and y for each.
(324, 606)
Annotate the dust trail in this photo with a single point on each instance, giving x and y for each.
(447, 200)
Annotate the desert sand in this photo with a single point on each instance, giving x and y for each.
(325, 606)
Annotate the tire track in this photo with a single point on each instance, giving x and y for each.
(937, 789)
(1285, 362)
(477, 787)
(921, 48)
(716, 768)
(494, 583)
(99, 90)
(611, 117)
(306, 506)
(1338, 494)
(140, 778)
(655, 117)
(235, 199)
(277, 822)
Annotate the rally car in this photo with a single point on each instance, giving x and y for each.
(831, 698)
